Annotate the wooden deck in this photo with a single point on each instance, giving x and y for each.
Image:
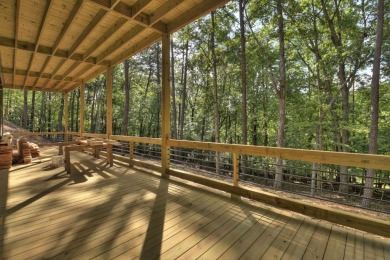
(122, 213)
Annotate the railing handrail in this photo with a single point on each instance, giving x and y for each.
(136, 139)
(368, 161)
(35, 133)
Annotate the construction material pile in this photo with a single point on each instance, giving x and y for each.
(24, 151)
(5, 156)
(34, 150)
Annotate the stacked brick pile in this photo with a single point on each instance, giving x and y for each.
(5, 156)
(34, 150)
(24, 151)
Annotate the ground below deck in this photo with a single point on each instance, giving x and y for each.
(118, 212)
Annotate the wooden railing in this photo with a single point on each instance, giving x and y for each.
(379, 162)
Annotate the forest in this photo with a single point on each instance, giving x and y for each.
(297, 74)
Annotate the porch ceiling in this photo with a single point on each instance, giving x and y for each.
(55, 45)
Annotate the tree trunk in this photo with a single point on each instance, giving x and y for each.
(373, 146)
(32, 115)
(184, 93)
(25, 110)
(158, 90)
(61, 114)
(125, 124)
(243, 84)
(72, 98)
(42, 113)
(93, 108)
(215, 93)
(281, 91)
(78, 110)
(173, 92)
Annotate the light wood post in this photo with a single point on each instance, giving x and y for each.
(66, 117)
(131, 153)
(165, 104)
(235, 174)
(82, 108)
(109, 103)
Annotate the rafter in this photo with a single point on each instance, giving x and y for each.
(112, 30)
(35, 74)
(131, 13)
(60, 37)
(138, 47)
(41, 27)
(95, 21)
(163, 10)
(123, 40)
(45, 50)
(67, 25)
(139, 6)
(195, 13)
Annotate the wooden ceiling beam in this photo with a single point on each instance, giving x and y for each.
(60, 37)
(92, 25)
(28, 88)
(119, 43)
(67, 25)
(163, 10)
(30, 47)
(191, 15)
(126, 11)
(36, 74)
(112, 30)
(41, 27)
(139, 6)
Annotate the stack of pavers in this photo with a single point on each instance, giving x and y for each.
(24, 150)
(5, 156)
(34, 150)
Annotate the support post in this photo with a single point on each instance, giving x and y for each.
(235, 174)
(1, 108)
(66, 117)
(131, 153)
(109, 103)
(82, 108)
(165, 104)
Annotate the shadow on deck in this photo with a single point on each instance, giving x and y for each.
(120, 212)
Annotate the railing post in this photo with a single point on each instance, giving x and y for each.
(235, 174)
(131, 153)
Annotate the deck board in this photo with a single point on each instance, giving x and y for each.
(117, 212)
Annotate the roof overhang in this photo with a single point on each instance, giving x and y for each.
(56, 45)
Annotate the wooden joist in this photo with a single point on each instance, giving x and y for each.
(68, 42)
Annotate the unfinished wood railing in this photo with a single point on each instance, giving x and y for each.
(235, 187)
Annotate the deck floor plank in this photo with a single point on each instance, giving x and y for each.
(263, 242)
(354, 248)
(335, 248)
(298, 245)
(102, 212)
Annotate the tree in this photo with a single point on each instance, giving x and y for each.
(243, 81)
(373, 145)
(281, 93)
(125, 123)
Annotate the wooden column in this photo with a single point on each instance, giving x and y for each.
(235, 174)
(82, 108)
(131, 153)
(109, 103)
(166, 103)
(66, 116)
(1, 107)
